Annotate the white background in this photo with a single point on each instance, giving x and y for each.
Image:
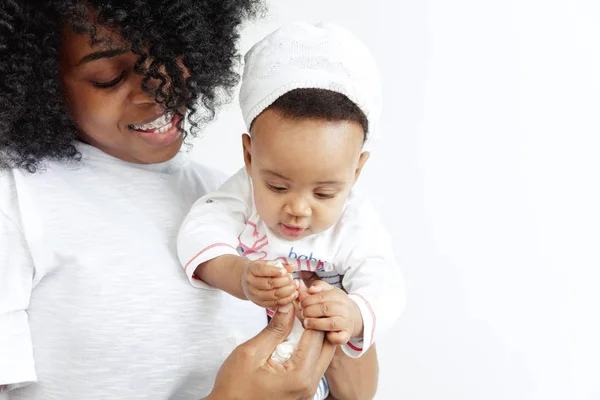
(487, 175)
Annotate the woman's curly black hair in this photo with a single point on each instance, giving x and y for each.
(35, 124)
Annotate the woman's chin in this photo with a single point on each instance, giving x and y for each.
(158, 154)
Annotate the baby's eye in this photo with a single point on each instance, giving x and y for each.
(276, 189)
(324, 195)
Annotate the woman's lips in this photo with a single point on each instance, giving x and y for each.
(160, 136)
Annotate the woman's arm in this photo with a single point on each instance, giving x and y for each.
(17, 366)
(348, 378)
(353, 378)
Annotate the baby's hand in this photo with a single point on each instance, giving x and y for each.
(328, 308)
(267, 285)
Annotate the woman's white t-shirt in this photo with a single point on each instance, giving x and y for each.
(93, 301)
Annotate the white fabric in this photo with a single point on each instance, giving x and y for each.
(322, 390)
(93, 302)
(355, 253)
(299, 56)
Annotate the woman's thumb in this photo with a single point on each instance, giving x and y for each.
(275, 332)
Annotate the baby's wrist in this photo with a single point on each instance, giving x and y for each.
(242, 265)
(358, 321)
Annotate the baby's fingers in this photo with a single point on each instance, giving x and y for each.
(330, 324)
(327, 296)
(279, 302)
(341, 337)
(269, 283)
(325, 309)
(275, 297)
(262, 269)
(320, 286)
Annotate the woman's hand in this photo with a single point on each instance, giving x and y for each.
(249, 373)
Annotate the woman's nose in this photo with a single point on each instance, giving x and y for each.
(137, 94)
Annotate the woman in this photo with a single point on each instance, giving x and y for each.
(94, 96)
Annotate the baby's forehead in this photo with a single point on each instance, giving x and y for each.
(272, 125)
(319, 141)
(307, 143)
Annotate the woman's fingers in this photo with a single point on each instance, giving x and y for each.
(314, 354)
(272, 335)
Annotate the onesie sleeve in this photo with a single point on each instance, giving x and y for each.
(213, 225)
(372, 277)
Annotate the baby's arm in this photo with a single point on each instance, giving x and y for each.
(207, 244)
(223, 272)
(212, 226)
(372, 278)
(353, 378)
(263, 284)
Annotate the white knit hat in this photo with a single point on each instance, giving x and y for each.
(299, 56)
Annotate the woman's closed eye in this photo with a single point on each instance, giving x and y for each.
(105, 85)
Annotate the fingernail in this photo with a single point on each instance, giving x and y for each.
(297, 284)
(285, 309)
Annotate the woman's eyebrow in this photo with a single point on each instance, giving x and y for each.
(101, 54)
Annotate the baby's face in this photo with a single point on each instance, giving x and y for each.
(302, 171)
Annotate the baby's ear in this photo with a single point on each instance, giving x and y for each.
(247, 148)
(364, 156)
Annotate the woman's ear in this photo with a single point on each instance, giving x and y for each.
(364, 156)
(247, 148)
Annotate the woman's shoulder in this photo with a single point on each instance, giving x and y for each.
(210, 178)
(8, 193)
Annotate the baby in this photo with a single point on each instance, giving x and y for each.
(310, 97)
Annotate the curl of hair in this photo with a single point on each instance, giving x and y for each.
(35, 124)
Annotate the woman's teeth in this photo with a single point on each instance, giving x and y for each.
(160, 124)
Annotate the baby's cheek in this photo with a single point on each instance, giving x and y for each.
(331, 214)
(267, 207)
